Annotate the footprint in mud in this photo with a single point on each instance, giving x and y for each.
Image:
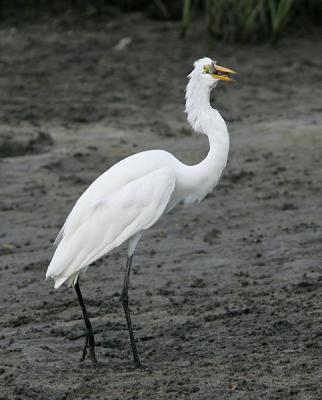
(240, 176)
(211, 236)
(12, 146)
(282, 326)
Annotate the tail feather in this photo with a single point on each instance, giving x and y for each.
(59, 281)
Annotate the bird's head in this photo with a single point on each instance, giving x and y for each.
(209, 73)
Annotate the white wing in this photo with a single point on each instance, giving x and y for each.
(115, 178)
(112, 221)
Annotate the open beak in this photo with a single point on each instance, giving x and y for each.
(222, 73)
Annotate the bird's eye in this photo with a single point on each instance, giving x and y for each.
(212, 68)
(209, 68)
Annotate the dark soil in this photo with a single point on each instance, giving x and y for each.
(226, 296)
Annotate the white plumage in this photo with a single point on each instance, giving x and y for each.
(118, 216)
(134, 193)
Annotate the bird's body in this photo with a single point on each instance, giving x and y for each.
(117, 206)
(134, 193)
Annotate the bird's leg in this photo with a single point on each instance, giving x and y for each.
(125, 302)
(90, 342)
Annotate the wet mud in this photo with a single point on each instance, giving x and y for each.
(226, 296)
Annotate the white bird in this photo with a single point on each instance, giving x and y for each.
(134, 193)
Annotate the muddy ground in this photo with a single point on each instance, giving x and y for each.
(226, 296)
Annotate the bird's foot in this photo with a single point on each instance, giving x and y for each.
(84, 349)
(142, 367)
(139, 365)
(91, 345)
(93, 357)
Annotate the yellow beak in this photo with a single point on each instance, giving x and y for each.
(223, 73)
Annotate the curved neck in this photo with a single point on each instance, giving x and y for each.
(204, 119)
(197, 103)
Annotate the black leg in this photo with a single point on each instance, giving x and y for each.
(90, 342)
(125, 303)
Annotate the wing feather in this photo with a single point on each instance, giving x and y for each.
(112, 221)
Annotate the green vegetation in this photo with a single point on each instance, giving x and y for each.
(231, 20)
(254, 20)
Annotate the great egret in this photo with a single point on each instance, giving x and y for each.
(134, 193)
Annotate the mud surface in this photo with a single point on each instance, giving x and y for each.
(227, 295)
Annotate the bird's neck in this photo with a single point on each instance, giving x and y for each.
(204, 119)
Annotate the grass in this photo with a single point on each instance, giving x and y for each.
(252, 20)
(230, 20)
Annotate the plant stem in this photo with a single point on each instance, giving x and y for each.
(185, 17)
